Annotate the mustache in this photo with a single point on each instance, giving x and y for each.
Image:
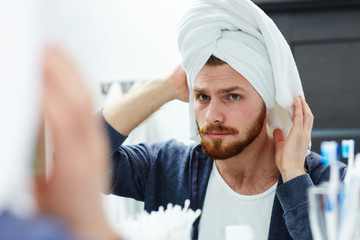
(217, 128)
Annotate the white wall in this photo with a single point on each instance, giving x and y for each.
(117, 39)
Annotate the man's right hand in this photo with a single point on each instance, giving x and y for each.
(133, 108)
(177, 79)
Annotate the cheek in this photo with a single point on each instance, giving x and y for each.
(247, 111)
(198, 112)
(242, 115)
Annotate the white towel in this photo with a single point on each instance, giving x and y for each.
(241, 34)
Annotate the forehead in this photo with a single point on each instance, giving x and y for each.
(220, 76)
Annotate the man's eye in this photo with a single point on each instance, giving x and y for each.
(203, 97)
(234, 97)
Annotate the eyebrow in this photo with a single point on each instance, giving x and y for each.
(230, 89)
(221, 91)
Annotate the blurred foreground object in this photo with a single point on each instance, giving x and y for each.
(72, 192)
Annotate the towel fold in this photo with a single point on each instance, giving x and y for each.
(241, 34)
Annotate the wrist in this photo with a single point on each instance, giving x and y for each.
(177, 85)
(162, 88)
(173, 89)
(290, 174)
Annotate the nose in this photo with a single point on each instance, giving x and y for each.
(214, 113)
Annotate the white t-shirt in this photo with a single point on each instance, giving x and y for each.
(223, 207)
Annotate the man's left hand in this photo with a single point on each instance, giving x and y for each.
(290, 153)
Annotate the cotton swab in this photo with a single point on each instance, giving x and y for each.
(173, 223)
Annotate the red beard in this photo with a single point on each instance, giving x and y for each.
(215, 148)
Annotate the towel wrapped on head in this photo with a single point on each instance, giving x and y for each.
(242, 35)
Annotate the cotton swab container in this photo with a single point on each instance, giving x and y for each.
(172, 223)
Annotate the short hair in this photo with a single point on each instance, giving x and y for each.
(214, 61)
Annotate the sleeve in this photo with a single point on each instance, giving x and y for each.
(129, 165)
(294, 201)
(293, 198)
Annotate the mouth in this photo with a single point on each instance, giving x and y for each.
(217, 135)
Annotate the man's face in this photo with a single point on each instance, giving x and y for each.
(230, 113)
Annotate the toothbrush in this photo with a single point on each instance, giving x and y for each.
(347, 151)
(329, 153)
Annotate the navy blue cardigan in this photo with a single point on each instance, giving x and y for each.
(171, 172)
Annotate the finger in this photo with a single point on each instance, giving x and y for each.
(61, 72)
(53, 109)
(63, 88)
(59, 111)
(279, 141)
(308, 116)
(56, 83)
(67, 121)
(68, 124)
(298, 114)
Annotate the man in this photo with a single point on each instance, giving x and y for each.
(252, 166)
